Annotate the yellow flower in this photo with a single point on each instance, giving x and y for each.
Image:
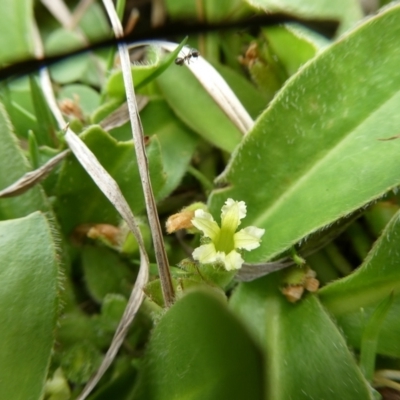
(225, 240)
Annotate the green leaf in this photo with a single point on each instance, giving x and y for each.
(176, 140)
(28, 298)
(200, 351)
(15, 30)
(352, 300)
(346, 11)
(194, 106)
(80, 201)
(46, 124)
(13, 164)
(307, 356)
(316, 151)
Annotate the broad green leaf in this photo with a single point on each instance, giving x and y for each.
(15, 30)
(80, 201)
(353, 299)
(194, 106)
(28, 297)
(13, 165)
(200, 351)
(348, 12)
(307, 357)
(176, 140)
(315, 154)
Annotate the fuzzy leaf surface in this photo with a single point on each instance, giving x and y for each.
(200, 351)
(307, 357)
(28, 298)
(316, 151)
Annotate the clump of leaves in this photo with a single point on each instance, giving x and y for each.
(294, 133)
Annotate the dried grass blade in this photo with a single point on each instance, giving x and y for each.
(217, 88)
(121, 115)
(111, 189)
(32, 178)
(138, 138)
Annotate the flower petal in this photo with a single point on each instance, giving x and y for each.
(232, 213)
(206, 254)
(205, 222)
(233, 261)
(248, 238)
(232, 203)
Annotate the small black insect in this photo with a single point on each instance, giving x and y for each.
(193, 53)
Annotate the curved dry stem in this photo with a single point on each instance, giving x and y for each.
(112, 191)
(217, 88)
(131, 309)
(32, 178)
(138, 138)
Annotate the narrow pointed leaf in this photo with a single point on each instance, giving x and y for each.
(13, 165)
